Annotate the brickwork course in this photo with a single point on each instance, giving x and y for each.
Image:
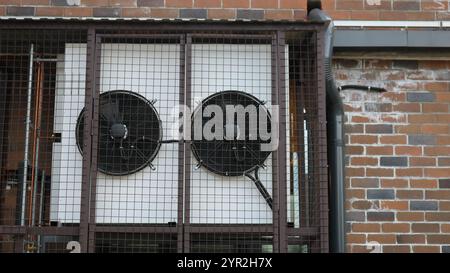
(398, 142)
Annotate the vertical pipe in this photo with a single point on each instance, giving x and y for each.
(27, 132)
(37, 139)
(41, 200)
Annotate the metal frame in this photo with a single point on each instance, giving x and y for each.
(278, 229)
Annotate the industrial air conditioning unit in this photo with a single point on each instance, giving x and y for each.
(138, 162)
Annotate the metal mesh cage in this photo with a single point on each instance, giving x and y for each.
(103, 118)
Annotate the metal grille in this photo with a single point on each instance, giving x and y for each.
(103, 116)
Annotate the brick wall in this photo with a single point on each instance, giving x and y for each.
(226, 9)
(398, 147)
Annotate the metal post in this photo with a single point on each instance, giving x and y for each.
(27, 132)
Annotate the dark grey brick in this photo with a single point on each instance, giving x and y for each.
(420, 97)
(150, 3)
(355, 216)
(20, 11)
(377, 107)
(423, 205)
(405, 64)
(65, 3)
(445, 249)
(421, 140)
(380, 216)
(193, 13)
(444, 183)
(394, 161)
(406, 5)
(106, 12)
(380, 194)
(379, 129)
(442, 75)
(250, 14)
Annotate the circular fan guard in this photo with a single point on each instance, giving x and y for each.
(230, 157)
(130, 132)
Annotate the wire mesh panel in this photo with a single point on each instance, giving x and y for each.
(38, 86)
(142, 140)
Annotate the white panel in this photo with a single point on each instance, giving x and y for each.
(151, 70)
(219, 67)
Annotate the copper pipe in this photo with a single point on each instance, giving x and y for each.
(35, 137)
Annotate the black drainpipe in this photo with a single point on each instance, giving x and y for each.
(335, 137)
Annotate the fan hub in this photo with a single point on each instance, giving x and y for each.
(118, 131)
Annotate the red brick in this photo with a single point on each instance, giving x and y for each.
(31, 2)
(207, 3)
(394, 183)
(393, 139)
(354, 171)
(410, 107)
(356, 238)
(434, 129)
(364, 139)
(410, 216)
(278, 14)
(394, 205)
(422, 161)
(423, 183)
(379, 172)
(221, 13)
(437, 194)
(426, 249)
(340, 15)
(443, 140)
(364, 161)
(365, 15)
(435, 107)
(365, 227)
(360, 119)
(2, 11)
(436, 86)
(445, 228)
(164, 13)
(236, 3)
(349, 4)
(438, 239)
(442, 97)
(411, 239)
(409, 172)
(10, 2)
(50, 11)
(382, 238)
(364, 204)
(435, 5)
(436, 150)
(395, 227)
(425, 228)
(78, 12)
(292, 4)
(354, 150)
(409, 194)
(179, 3)
(355, 193)
(408, 129)
(437, 216)
(396, 249)
(408, 150)
(264, 4)
(379, 150)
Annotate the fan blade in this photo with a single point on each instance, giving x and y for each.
(111, 112)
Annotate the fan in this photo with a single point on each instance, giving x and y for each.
(130, 133)
(239, 155)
